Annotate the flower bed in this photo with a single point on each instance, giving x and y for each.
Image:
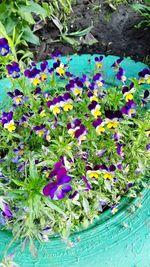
(56, 184)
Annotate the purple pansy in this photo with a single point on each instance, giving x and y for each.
(17, 97)
(144, 76)
(116, 64)
(59, 188)
(128, 92)
(13, 69)
(120, 150)
(7, 121)
(40, 129)
(121, 75)
(148, 148)
(75, 86)
(94, 107)
(56, 54)
(129, 109)
(112, 118)
(99, 126)
(88, 185)
(98, 80)
(6, 211)
(145, 98)
(4, 47)
(98, 61)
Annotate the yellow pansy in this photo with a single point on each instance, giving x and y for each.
(108, 175)
(10, 126)
(67, 106)
(112, 124)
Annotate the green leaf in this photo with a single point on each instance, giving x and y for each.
(30, 37)
(51, 205)
(69, 40)
(27, 16)
(34, 8)
(80, 33)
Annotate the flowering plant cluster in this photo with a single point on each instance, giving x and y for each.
(71, 146)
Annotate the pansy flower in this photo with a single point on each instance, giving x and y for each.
(99, 126)
(129, 109)
(61, 69)
(98, 80)
(34, 75)
(40, 129)
(93, 172)
(55, 105)
(148, 148)
(93, 96)
(116, 64)
(108, 172)
(81, 133)
(94, 107)
(100, 152)
(73, 126)
(41, 112)
(56, 54)
(112, 118)
(6, 211)
(85, 80)
(4, 47)
(59, 188)
(17, 96)
(44, 71)
(128, 91)
(75, 86)
(13, 70)
(144, 76)
(145, 98)
(98, 61)
(114, 208)
(8, 122)
(120, 150)
(121, 75)
(67, 103)
(88, 185)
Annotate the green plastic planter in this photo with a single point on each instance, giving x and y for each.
(120, 240)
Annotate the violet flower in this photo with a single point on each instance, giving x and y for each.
(94, 107)
(99, 126)
(129, 109)
(4, 47)
(61, 186)
(13, 69)
(7, 121)
(144, 76)
(120, 150)
(6, 211)
(121, 75)
(98, 80)
(98, 61)
(128, 92)
(17, 97)
(116, 64)
(145, 98)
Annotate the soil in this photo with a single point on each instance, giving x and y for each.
(115, 32)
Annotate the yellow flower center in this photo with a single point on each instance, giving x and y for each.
(99, 83)
(129, 96)
(36, 81)
(123, 78)
(60, 70)
(100, 129)
(56, 110)
(67, 107)
(40, 133)
(10, 126)
(108, 175)
(93, 174)
(94, 98)
(99, 65)
(71, 132)
(59, 187)
(141, 80)
(42, 113)
(131, 111)
(112, 124)
(148, 79)
(43, 76)
(96, 112)
(18, 100)
(77, 91)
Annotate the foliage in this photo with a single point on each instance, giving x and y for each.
(19, 15)
(144, 11)
(70, 146)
